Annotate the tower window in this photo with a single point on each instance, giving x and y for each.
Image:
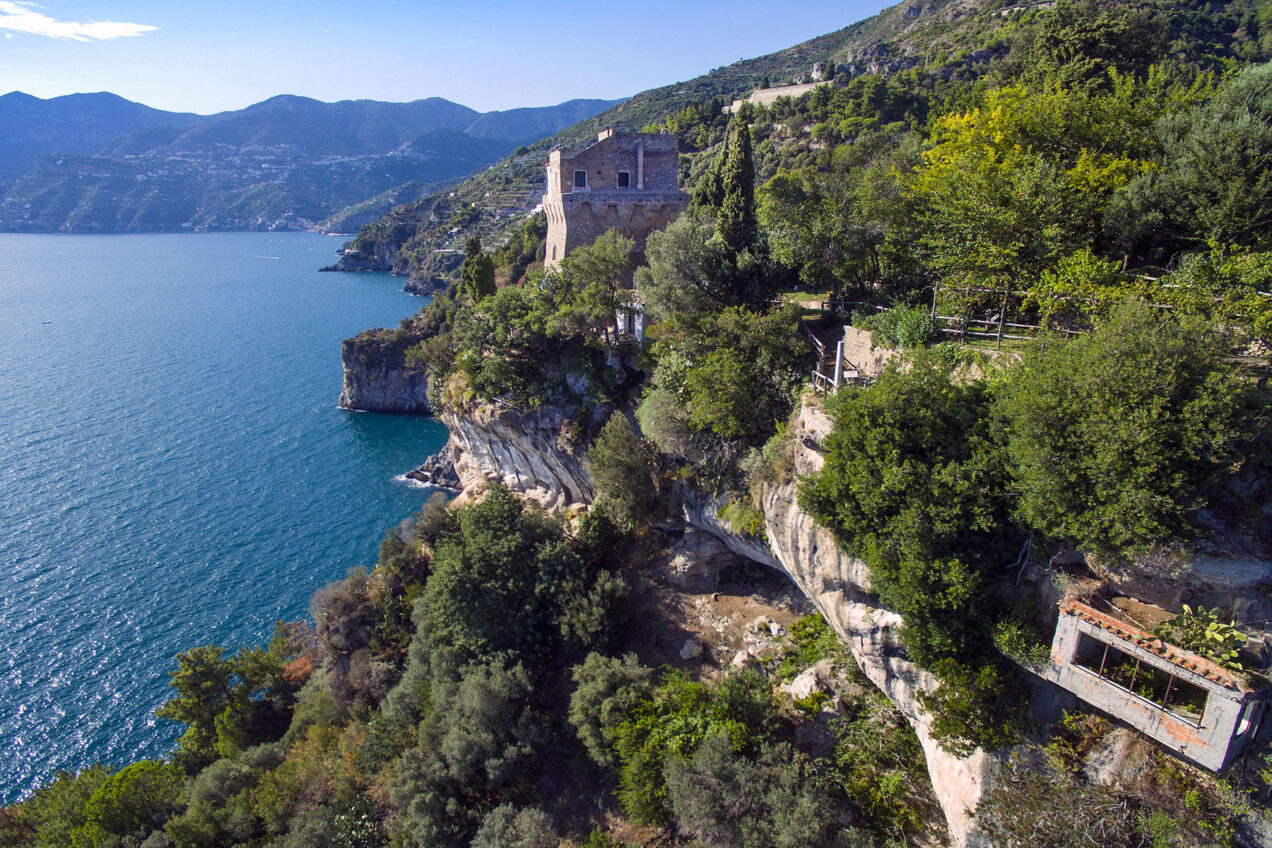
(580, 179)
(624, 179)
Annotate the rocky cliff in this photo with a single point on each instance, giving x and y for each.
(377, 379)
(531, 452)
(839, 586)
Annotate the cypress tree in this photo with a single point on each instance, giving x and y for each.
(477, 274)
(709, 192)
(737, 224)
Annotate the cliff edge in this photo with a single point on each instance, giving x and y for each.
(377, 377)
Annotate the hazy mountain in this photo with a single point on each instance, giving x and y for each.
(99, 163)
(533, 124)
(75, 123)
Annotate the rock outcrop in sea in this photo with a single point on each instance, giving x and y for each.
(377, 378)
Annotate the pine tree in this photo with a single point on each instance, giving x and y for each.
(737, 224)
(477, 274)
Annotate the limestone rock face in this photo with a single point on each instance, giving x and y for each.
(438, 470)
(859, 349)
(697, 560)
(380, 258)
(839, 586)
(530, 452)
(376, 380)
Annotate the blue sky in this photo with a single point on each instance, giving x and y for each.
(191, 56)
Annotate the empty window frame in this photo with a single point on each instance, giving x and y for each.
(580, 179)
(1181, 699)
(624, 179)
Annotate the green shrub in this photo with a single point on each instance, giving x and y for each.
(1115, 436)
(741, 516)
(882, 768)
(775, 798)
(915, 484)
(622, 468)
(980, 706)
(674, 721)
(902, 327)
(1202, 632)
(1021, 643)
(812, 640)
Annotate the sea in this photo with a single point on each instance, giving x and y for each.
(174, 470)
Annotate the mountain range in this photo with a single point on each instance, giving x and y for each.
(101, 163)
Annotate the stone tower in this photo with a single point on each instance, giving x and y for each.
(624, 181)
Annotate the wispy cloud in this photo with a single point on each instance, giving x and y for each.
(23, 17)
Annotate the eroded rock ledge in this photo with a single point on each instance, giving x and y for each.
(839, 586)
(530, 451)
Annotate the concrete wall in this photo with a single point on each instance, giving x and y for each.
(766, 96)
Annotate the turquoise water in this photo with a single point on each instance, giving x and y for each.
(173, 470)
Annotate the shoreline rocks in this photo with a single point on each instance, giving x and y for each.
(438, 470)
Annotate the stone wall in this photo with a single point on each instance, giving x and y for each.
(650, 200)
(766, 96)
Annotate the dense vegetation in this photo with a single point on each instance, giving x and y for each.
(896, 74)
(465, 692)
(1069, 176)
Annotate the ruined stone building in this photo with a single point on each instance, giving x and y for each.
(1200, 710)
(624, 181)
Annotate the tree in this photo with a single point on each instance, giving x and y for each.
(607, 690)
(621, 466)
(477, 274)
(58, 809)
(775, 799)
(1078, 42)
(131, 803)
(507, 827)
(730, 374)
(1115, 437)
(914, 483)
(1007, 189)
(1215, 182)
(204, 682)
(674, 721)
(737, 224)
(593, 290)
(229, 703)
(499, 581)
(833, 223)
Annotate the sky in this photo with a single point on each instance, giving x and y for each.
(206, 57)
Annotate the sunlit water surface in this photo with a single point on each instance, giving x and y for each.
(173, 470)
